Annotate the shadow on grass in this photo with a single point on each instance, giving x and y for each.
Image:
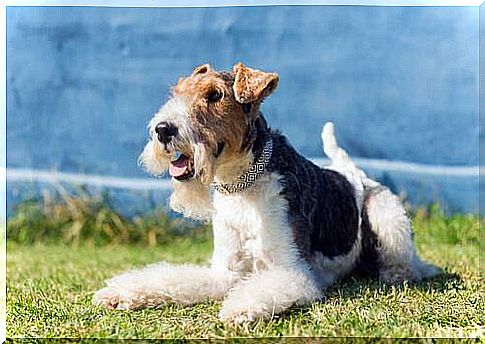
(355, 287)
(352, 286)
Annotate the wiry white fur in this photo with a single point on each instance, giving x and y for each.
(397, 252)
(269, 292)
(192, 198)
(392, 226)
(161, 283)
(151, 160)
(258, 217)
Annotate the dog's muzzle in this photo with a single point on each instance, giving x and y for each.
(181, 165)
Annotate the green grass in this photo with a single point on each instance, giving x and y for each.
(50, 285)
(90, 220)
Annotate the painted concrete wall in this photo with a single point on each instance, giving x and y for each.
(400, 83)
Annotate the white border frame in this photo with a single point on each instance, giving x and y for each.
(221, 3)
(3, 175)
(156, 3)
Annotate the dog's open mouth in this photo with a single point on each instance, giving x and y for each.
(181, 167)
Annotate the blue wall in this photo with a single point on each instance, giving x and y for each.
(400, 83)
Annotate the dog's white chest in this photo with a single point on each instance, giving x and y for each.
(253, 228)
(241, 217)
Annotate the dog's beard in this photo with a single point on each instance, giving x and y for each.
(183, 162)
(203, 163)
(191, 198)
(154, 159)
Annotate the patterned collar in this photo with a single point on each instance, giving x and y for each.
(247, 179)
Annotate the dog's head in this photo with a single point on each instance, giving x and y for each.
(208, 121)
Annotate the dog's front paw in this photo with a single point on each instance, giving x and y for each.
(244, 313)
(111, 298)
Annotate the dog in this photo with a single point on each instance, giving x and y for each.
(284, 229)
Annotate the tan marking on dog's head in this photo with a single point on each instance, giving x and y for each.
(223, 107)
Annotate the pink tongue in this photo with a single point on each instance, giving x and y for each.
(178, 167)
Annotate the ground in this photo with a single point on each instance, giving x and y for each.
(50, 286)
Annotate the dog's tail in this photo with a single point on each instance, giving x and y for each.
(337, 155)
(339, 158)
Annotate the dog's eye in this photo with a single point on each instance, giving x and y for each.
(214, 95)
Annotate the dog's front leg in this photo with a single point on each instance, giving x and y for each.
(268, 293)
(163, 283)
(186, 284)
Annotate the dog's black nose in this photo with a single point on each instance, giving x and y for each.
(165, 131)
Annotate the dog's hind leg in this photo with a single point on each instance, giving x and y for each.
(398, 258)
(386, 216)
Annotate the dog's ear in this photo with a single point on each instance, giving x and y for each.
(202, 69)
(252, 85)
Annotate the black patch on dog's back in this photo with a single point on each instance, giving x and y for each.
(322, 210)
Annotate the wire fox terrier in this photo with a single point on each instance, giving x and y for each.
(284, 228)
